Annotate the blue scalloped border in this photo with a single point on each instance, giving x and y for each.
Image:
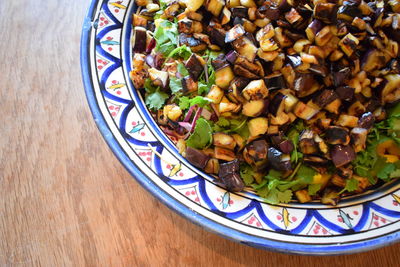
(185, 211)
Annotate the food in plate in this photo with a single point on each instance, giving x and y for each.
(289, 99)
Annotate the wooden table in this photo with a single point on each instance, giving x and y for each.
(64, 198)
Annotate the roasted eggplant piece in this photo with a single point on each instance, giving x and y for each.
(305, 111)
(312, 29)
(224, 76)
(196, 157)
(336, 135)
(255, 90)
(245, 47)
(258, 126)
(240, 12)
(359, 138)
(189, 26)
(253, 108)
(224, 140)
(194, 66)
(391, 90)
(342, 155)
(158, 77)
(196, 45)
(234, 33)
(255, 153)
(348, 44)
(345, 93)
(277, 104)
(140, 38)
(325, 98)
(230, 177)
(278, 161)
(251, 70)
(286, 146)
(325, 12)
(306, 142)
(189, 85)
(340, 76)
(275, 81)
(303, 196)
(214, 6)
(366, 120)
(215, 94)
(305, 84)
(330, 197)
(313, 160)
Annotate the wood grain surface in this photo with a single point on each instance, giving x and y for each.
(65, 200)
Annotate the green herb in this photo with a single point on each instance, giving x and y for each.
(294, 136)
(186, 102)
(313, 189)
(166, 36)
(202, 135)
(246, 173)
(306, 174)
(351, 185)
(175, 85)
(182, 70)
(156, 99)
(180, 52)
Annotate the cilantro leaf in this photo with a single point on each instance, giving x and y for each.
(386, 170)
(175, 85)
(156, 99)
(202, 135)
(313, 189)
(202, 88)
(186, 102)
(351, 185)
(166, 36)
(306, 174)
(246, 173)
(149, 87)
(182, 70)
(180, 52)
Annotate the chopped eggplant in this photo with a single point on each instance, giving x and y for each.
(189, 26)
(330, 197)
(255, 153)
(215, 6)
(325, 12)
(347, 121)
(303, 196)
(345, 93)
(158, 77)
(312, 29)
(189, 85)
(215, 94)
(275, 81)
(196, 157)
(194, 66)
(224, 140)
(253, 108)
(349, 44)
(304, 111)
(245, 47)
(325, 98)
(196, 45)
(342, 155)
(234, 33)
(366, 120)
(224, 76)
(224, 154)
(240, 12)
(255, 90)
(359, 138)
(251, 70)
(278, 160)
(140, 40)
(258, 126)
(230, 177)
(286, 146)
(306, 142)
(336, 135)
(391, 90)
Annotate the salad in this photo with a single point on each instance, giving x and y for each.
(291, 99)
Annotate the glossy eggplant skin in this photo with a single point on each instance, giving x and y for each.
(277, 161)
(230, 177)
(140, 40)
(196, 157)
(277, 104)
(345, 93)
(255, 154)
(275, 81)
(325, 97)
(366, 120)
(325, 12)
(335, 135)
(342, 155)
(194, 67)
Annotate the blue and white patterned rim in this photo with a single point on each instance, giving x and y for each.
(357, 224)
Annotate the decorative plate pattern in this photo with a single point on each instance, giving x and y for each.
(356, 224)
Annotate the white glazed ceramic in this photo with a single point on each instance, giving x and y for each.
(356, 224)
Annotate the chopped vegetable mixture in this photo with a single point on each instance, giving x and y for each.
(291, 99)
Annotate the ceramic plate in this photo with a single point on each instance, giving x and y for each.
(357, 224)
